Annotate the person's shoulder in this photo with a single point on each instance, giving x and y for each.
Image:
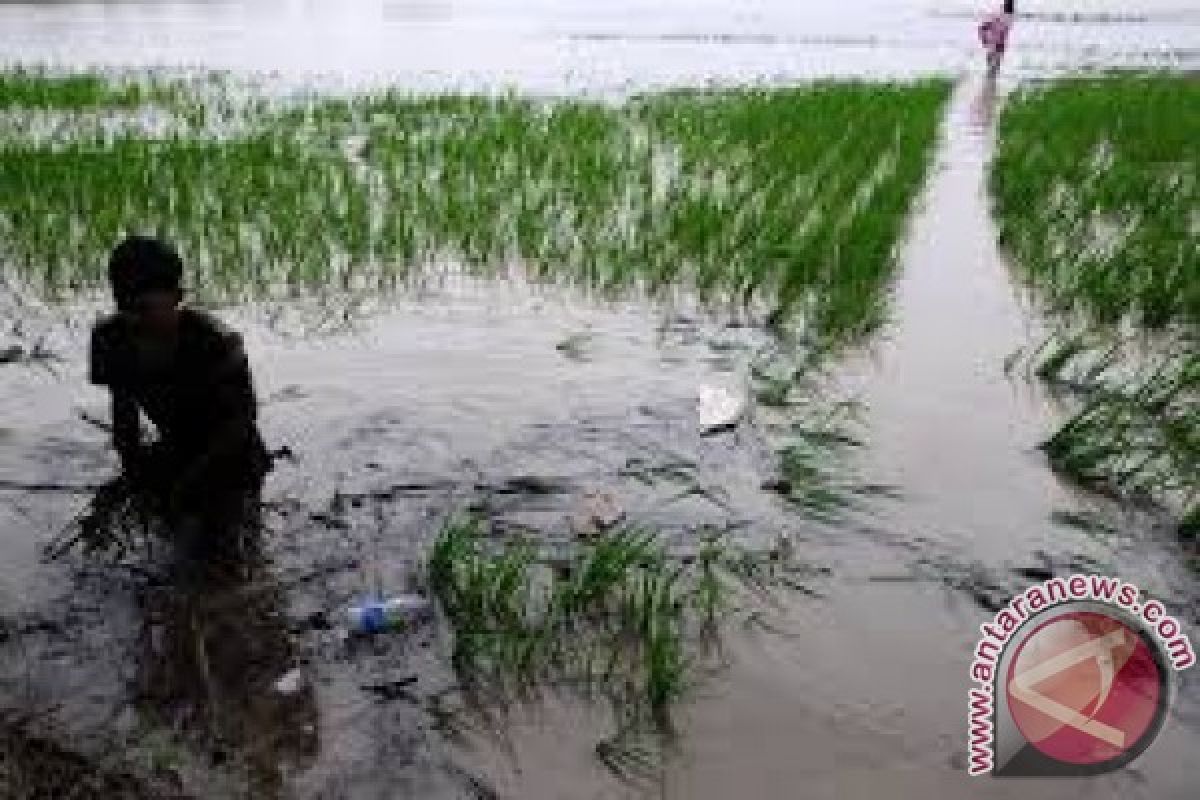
(109, 325)
(207, 326)
(109, 352)
(110, 332)
(208, 333)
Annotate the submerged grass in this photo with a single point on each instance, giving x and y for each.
(1095, 187)
(620, 620)
(791, 196)
(1135, 429)
(44, 89)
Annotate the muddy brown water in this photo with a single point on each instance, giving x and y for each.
(516, 400)
(863, 697)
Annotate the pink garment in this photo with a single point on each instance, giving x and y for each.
(993, 31)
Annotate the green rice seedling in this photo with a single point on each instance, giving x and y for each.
(619, 621)
(43, 89)
(710, 591)
(1134, 424)
(810, 472)
(1137, 434)
(603, 569)
(741, 195)
(1096, 195)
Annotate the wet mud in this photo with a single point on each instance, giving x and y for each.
(860, 691)
(464, 401)
(518, 402)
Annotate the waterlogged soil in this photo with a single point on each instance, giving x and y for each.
(860, 690)
(516, 401)
(511, 402)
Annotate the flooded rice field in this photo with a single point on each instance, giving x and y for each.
(578, 45)
(522, 402)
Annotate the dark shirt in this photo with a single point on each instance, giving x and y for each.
(189, 393)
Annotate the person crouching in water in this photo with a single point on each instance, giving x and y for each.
(993, 34)
(189, 375)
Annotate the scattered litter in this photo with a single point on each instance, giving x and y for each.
(574, 346)
(291, 682)
(396, 613)
(597, 512)
(356, 147)
(396, 689)
(719, 409)
(784, 547)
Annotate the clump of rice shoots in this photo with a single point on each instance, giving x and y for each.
(790, 197)
(1095, 187)
(620, 619)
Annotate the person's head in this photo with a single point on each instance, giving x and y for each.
(146, 276)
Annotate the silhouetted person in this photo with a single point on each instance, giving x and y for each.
(189, 375)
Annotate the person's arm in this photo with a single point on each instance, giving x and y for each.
(105, 369)
(233, 394)
(126, 430)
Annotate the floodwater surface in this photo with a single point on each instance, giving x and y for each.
(516, 401)
(863, 693)
(553, 45)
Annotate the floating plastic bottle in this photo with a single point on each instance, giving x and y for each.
(395, 613)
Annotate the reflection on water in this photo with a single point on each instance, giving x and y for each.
(983, 109)
(217, 663)
(561, 44)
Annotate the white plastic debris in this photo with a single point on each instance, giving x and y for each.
(291, 682)
(784, 548)
(354, 147)
(719, 409)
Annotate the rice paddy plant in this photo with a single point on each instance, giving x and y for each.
(1135, 430)
(1095, 190)
(620, 619)
(797, 193)
(239, 211)
(791, 196)
(44, 89)
(1097, 197)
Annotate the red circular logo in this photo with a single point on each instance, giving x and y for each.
(1085, 688)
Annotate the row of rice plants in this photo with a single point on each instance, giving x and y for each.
(793, 197)
(1095, 187)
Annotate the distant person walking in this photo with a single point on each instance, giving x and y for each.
(993, 34)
